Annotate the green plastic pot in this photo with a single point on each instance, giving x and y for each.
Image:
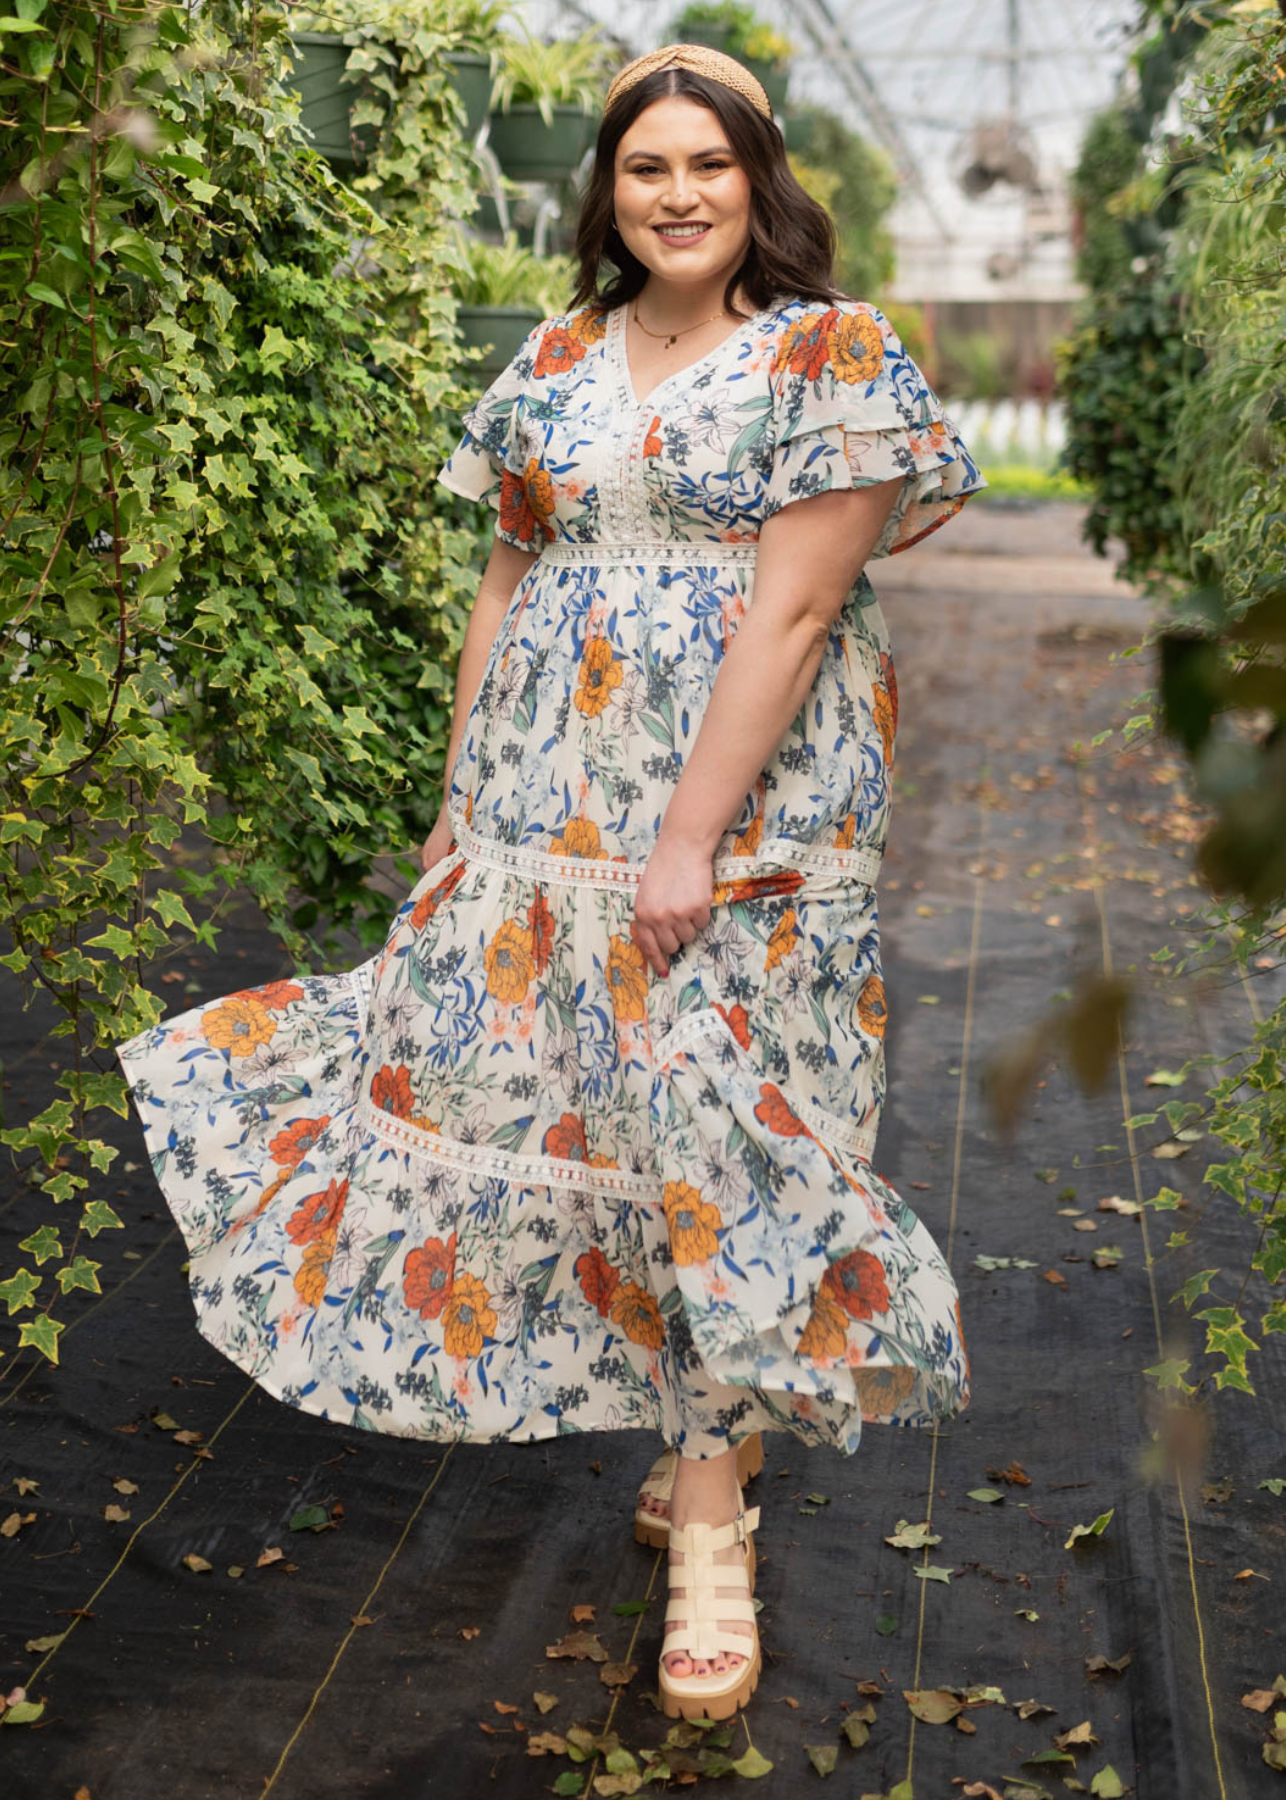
(471, 77)
(326, 99)
(529, 150)
(499, 330)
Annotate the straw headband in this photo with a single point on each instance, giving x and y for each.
(702, 60)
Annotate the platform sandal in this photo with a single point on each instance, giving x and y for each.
(654, 1531)
(702, 1622)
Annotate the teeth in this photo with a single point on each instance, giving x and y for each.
(682, 230)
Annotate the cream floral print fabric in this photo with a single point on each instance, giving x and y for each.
(503, 1181)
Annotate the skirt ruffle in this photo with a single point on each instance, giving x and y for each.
(503, 1182)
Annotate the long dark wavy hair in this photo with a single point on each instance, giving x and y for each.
(792, 238)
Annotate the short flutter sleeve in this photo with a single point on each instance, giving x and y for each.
(850, 408)
(489, 462)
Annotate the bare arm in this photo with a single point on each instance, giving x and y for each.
(810, 554)
(505, 568)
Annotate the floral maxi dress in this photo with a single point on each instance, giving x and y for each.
(502, 1180)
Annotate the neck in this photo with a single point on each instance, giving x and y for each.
(672, 305)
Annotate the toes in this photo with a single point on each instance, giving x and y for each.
(679, 1663)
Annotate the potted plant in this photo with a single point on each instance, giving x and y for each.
(472, 66)
(502, 292)
(327, 96)
(722, 24)
(541, 104)
(766, 53)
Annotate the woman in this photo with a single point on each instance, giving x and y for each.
(588, 1145)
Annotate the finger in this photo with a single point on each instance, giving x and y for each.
(654, 955)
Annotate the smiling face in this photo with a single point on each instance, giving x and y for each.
(682, 201)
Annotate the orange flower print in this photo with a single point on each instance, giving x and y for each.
(774, 1111)
(882, 712)
(600, 674)
(856, 347)
(750, 839)
(318, 1216)
(579, 838)
(275, 995)
(239, 1026)
(884, 1390)
(428, 903)
(541, 920)
(805, 348)
(627, 979)
(638, 1315)
(872, 1013)
(889, 674)
(859, 1283)
(310, 1276)
(738, 1023)
(588, 325)
(429, 1275)
(783, 937)
(468, 1320)
(516, 515)
(558, 352)
(391, 1091)
(540, 495)
(846, 834)
(509, 962)
(289, 1148)
(823, 1336)
(652, 442)
(598, 1279)
(693, 1223)
(567, 1139)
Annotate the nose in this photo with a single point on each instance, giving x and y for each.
(678, 199)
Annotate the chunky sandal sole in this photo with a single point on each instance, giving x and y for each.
(653, 1531)
(709, 1696)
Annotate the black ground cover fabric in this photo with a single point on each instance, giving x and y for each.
(368, 1659)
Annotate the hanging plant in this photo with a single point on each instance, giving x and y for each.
(542, 102)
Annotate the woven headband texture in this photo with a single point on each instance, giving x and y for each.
(702, 60)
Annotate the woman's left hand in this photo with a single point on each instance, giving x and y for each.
(673, 899)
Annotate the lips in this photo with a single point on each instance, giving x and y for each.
(681, 235)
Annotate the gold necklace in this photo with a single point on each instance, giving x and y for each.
(670, 336)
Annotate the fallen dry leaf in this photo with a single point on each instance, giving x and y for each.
(1077, 1734)
(1114, 1203)
(197, 1564)
(1245, 1574)
(617, 1674)
(1260, 1699)
(11, 1526)
(581, 1614)
(503, 1706)
(357, 1620)
(546, 1743)
(1108, 1665)
(274, 1555)
(579, 1645)
(116, 1515)
(792, 1702)
(1054, 1276)
(963, 1724)
(125, 1487)
(469, 1632)
(545, 1702)
(1014, 1473)
(25, 1485)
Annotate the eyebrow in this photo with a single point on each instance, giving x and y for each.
(658, 156)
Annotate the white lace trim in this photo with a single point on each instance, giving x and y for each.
(861, 863)
(692, 553)
(559, 1172)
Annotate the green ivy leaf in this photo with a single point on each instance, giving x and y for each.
(82, 1273)
(18, 1291)
(98, 1216)
(42, 1244)
(41, 1334)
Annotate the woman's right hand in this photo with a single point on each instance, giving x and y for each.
(438, 843)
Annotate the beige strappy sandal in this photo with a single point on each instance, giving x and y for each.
(658, 1483)
(698, 1614)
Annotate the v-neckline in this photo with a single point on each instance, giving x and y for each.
(617, 322)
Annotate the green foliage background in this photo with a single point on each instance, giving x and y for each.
(230, 600)
(1175, 387)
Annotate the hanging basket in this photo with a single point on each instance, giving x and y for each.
(471, 76)
(326, 99)
(499, 330)
(529, 150)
